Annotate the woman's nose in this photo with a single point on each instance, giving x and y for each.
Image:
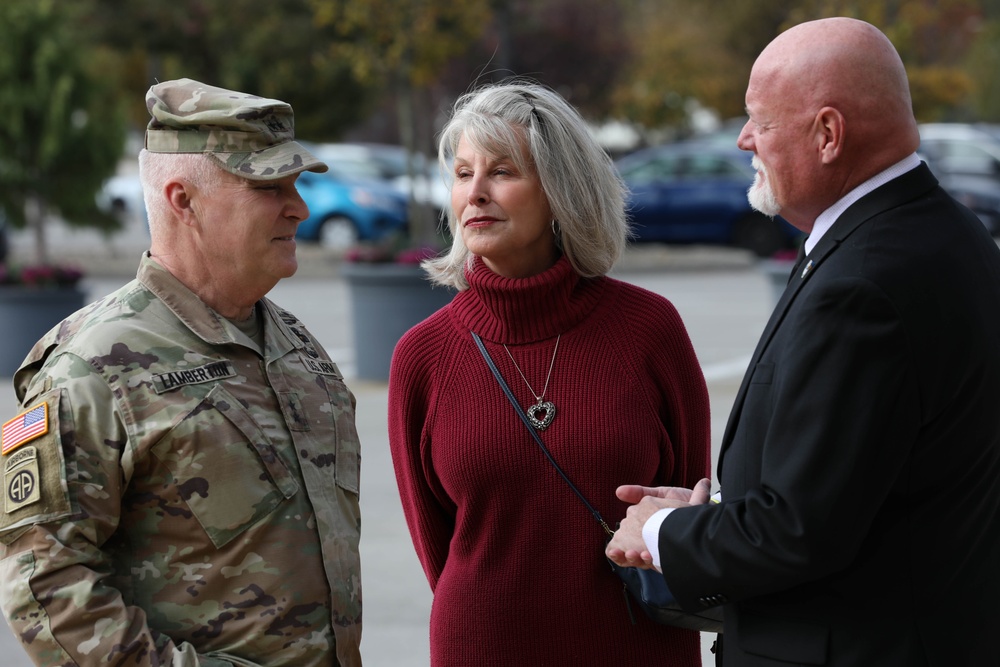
(478, 191)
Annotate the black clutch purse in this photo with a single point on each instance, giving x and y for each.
(647, 588)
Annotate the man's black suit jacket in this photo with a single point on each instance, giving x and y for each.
(860, 469)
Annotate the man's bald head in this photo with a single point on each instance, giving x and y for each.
(829, 106)
(849, 65)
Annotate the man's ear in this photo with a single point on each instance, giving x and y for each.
(178, 194)
(830, 128)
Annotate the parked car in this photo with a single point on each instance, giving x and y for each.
(121, 195)
(966, 160)
(344, 211)
(388, 163)
(696, 192)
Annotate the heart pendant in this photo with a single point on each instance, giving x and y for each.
(541, 414)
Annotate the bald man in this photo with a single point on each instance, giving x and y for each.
(859, 520)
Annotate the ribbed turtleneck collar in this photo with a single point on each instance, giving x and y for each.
(525, 310)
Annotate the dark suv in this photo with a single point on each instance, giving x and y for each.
(696, 192)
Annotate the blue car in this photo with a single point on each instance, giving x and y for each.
(344, 211)
(696, 192)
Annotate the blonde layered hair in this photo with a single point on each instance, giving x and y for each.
(584, 191)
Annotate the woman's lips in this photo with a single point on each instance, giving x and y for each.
(480, 221)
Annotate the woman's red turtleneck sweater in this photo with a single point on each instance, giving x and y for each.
(516, 562)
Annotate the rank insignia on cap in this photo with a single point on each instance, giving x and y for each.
(24, 428)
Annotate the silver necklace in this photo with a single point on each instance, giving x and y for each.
(542, 412)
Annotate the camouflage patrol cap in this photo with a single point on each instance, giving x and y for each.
(250, 136)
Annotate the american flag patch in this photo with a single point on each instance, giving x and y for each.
(25, 427)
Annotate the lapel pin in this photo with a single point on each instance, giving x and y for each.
(809, 266)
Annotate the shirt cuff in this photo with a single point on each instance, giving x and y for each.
(651, 534)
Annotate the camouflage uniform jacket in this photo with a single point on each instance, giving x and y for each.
(196, 502)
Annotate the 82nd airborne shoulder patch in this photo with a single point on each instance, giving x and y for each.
(20, 471)
(34, 476)
(21, 481)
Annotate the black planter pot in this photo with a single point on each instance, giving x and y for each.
(386, 301)
(26, 314)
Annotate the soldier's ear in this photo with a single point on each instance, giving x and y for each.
(178, 193)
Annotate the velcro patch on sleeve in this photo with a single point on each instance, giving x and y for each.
(34, 477)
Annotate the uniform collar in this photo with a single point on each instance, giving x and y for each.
(207, 324)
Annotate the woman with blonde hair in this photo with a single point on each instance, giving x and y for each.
(604, 370)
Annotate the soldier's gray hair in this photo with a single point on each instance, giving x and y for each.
(584, 191)
(156, 168)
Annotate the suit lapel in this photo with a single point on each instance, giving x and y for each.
(801, 272)
(913, 184)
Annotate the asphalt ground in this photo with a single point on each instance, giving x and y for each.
(722, 296)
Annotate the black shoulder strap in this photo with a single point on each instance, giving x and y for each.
(534, 432)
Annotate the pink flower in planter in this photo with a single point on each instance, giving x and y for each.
(415, 255)
(42, 275)
(786, 254)
(384, 254)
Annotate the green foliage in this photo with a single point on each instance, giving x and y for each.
(932, 39)
(678, 59)
(341, 63)
(982, 65)
(411, 39)
(61, 131)
(399, 45)
(692, 54)
(704, 51)
(273, 49)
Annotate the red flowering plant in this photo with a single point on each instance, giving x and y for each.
(40, 276)
(385, 253)
(398, 249)
(785, 255)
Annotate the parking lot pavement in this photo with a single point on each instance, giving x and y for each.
(724, 305)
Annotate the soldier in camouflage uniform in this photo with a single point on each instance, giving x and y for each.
(181, 484)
